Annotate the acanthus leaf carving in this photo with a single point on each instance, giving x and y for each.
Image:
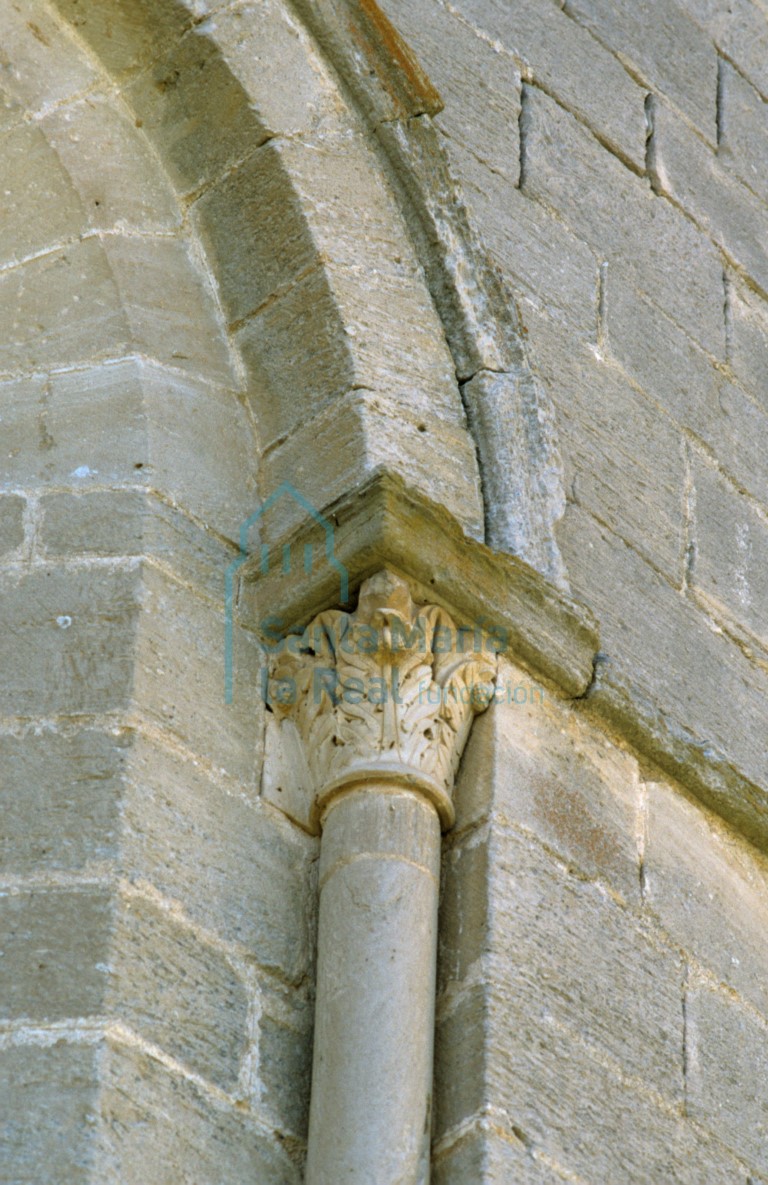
(387, 692)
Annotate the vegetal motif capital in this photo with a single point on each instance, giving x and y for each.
(385, 694)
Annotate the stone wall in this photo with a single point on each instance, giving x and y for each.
(608, 1001)
(211, 282)
(602, 1012)
(155, 913)
(613, 159)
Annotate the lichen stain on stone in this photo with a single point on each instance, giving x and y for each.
(571, 829)
(394, 63)
(37, 32)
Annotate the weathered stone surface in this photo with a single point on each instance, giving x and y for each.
(465, 910)
(666, 48)
(513, 424)
(681, 678)
(293, 199)
(237, 868)
(126, 39)
(11, 112)
(297, 343)
(562, 950)
(59, 799)
(566, 60)
(531, 246)
(132, 424)
(54, 944)
(578, 793)
(739, 30)
(117, 177)
(727, 1067)
(41, 207)
(709, 890)
(365, 433)
(621, 456)
(479, 322)
(338, 330)
(473, 792)
(170, 305)
(685, 170)
(373, 59)
(61, 309)
(104, 298)
(94, 523)
(172, 98)
(688, 384)
(731, 560)
(157, 1127)
(257, 206)
(550, 1094)
(134, 523)
(285, 1027)
(12, 509)
(67, 646)
(181, 665)
(482, 100)
(749, 342)
(486, 1156)
(278, 65)
(743, 143)
(49, 64)
(49, 1110)
(202, 448)
(460, 1040)
(639, 233)
(172, 988)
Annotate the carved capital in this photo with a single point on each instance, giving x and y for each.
(385, 694)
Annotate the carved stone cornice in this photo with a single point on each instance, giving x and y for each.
(384, 524)
(385, 694)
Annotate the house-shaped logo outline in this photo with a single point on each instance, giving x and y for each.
(285, 488)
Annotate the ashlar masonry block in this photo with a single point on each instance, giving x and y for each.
(743, 146)
(12, 510)
(731, 541)
(665, 46)
(709, 889)
(69, 639)
(172, 988)
(616, 212)
(155, 1124)
(684, 169)
(55, 945)
(131, 424)
(49, 1112)
(727, 1065)
(60, 798)
(566, 59)
(236, 866)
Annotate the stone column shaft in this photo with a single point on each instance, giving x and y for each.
(377, 943)
(375, 708)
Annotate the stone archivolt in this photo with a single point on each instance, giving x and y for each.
(386, 694)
